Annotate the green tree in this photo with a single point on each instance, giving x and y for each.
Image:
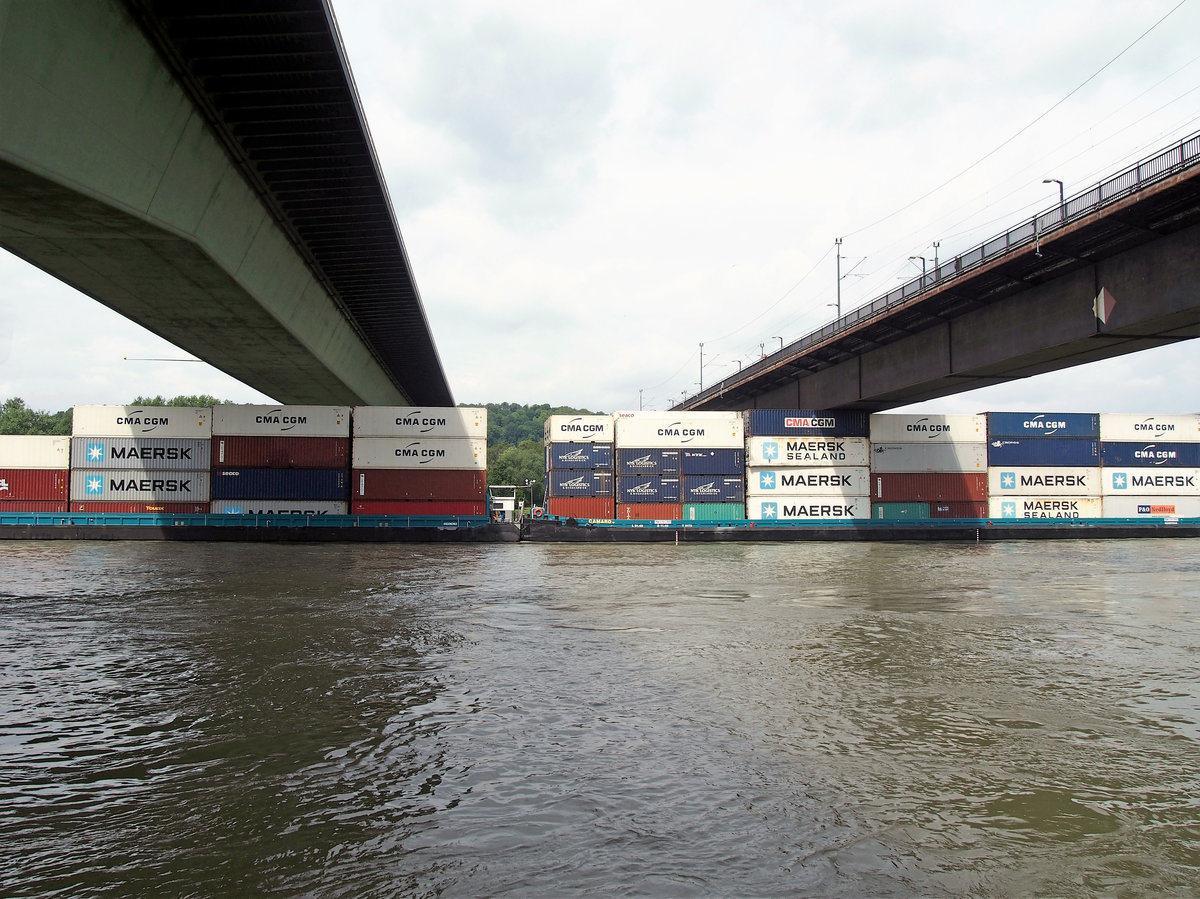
(17, 418)
(199, 401)
(508, 464)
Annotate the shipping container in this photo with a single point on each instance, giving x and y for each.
(712, 461)
(20, 451)
(649, 490)
(579, 455)
(929, 457)
(420, 421)
(136, 486)
(1151, 482)
(280, 483)
(958, 486)
(1043, 452)
(142, 453)
(281, 452)
(646, 461)
(579, 482)
(1152, 507)
(1044, 507)
(702, 488)
(893, 511)
(1132, 428)
(714, 512)
(233, 420)
(958, 510)
(578, 429)
(848, 481)
(808, 508)
(1046, 481)
(603, 508)
(1043, 424)
(890, 428)
(418, 484)
(414, 508)
(34, 505)
(1150, 455)
(102, 508)
(825, 452)
(141, 421)
(806, 423)
(458, 453)
(33, 484)
(650, 511)
(278, 507)
(667, 430)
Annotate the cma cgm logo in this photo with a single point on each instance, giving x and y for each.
(95, 452)
(94, 486)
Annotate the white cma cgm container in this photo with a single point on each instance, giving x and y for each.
(578, 429)
(1152, 507)
(420, 421)
(456, 453)
(887, 428)
(1139, 482)
(807, 508)
(1044, 507)
(230, 420)
(33, 451)
(1013, 481)
(141, 421)
(935, 457)
(1120, 427)
(815, 481)
(667, 430)
(828, 452)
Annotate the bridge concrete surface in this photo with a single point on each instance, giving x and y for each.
(126, 180)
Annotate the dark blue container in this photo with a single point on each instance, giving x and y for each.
(807, 423)
(712, 461)
(580, 482)
(648, 462)
(714, 489)
(579, 455)
(281, 483)
(1150, 455)
(1063, 452)
(648, 490)
(1043, 424)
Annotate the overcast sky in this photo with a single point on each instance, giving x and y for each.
(588, 191)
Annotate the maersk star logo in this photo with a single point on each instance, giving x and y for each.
(766, 480)
(770, 510)
(95, 485)
(770, 451)
(95, 452)
(1008, 510)
(1120, 480)
(1008, 480)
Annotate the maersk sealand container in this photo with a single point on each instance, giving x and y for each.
(806, 423)
(1043, 424)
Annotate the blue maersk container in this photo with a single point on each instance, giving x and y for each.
(807, 423)
(648, 489)
(580, 482)
(1150, 455)
(714, 489)
(1061, 452)
(633, 461)
(712, 461)
(579, 455)
(281, 483)
(1043, 424)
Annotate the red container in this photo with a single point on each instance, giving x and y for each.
(929, 488)
(421, 484)
(34, 484)
(97, 508)
(603, 507)
(958, 510)
(655, 511)
(280, 452)
(415, 507)
(32, 505)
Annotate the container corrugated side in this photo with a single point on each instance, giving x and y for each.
(958, 510)
(702, 488)
(808, 508)
(825, 452)
(457, 453)
(928, 457)
(418, 484)
(1045, 481)
(662, 430)
(1152, 507)
(905, 487)
(33, 484)
(600, 507)
(420, 421)
(278, 507)
(649, 511)
(235, 420)
(712, 461)
(280, 483)
(141, 453)
(1043, 424)
(1042, 452)
(579, 455)
(578, 429)
(1151, 482)
(103, 508)
(140, 486)
(848, 481)
(141, 421)
(1044, 507)
(647, 461)
(1150, 455)
(35, 451)
(579, 482)
(1134, 428)
(415, 508)
(894, 428)
(649, 490)
(806, 423)
(280, 452)
(35, 505)
(714, 512)
(893, 511)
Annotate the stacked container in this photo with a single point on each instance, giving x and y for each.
(140, 459)
(1043, 465)
(651, 478)
(419, 460)
(579, 466)
(280, 460)
(1151, 465)
(806, 464)
(34, 473)
(928, 466)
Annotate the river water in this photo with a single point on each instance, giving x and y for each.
(1011, 719)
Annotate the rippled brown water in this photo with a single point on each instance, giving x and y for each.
(824, 719)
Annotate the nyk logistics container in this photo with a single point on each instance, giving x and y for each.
(669, 430)
(579, 482)
(278, 507)
(1150, 455)
(1139, 482)
(33, 484)
(1127, 428)
(886, 428)
(410, 452)
(579, 455)
(712, 461)
(35, 451)
(928, 457)
(281, 452)
(1044, 507)
(807, 508)
(649, 490)
(420, 421)
(645, 460)
(841, 452)
(418, 484)
(280, 483)
(806, 423)
(817, 481)
(713, 489)
(141, 421)
(140, 486)
(1015, 481)
(928, 487)
(1043, 424)
(578, 429)
(142, 453)
(1043, 452)
(1152, 507)
(229, 419)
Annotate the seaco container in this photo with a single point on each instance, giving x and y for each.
(579, 482)
(579, 455)
(806, 423)
(21, 451)
(1151, 482)
(233, 420)
(1044, 507)
(886, 428)
(280, 483)
(1041, 452)
(278, 507)
(603, 508)
(650, 511)
(412, 452)
(141, 421)
(1043, 424)
(1152, 507)
(643, 461)
(281, 452)
(1150, 455)
(1015, 481)
(578, 429)
(649, 490)
(712, 461)
(892, 511)
(1126, 428)
(926, 457)
(412, 508)
(33, 484)
(142, 453)
(700, 488)
(807, 508)
(100, 508)
(418, 484)
(929, 487)
(808, 481)
(820, 451)
(714, 512)
(419, 421)
(667, 430)
(140, 486)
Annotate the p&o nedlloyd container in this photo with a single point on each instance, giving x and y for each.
(825, 452)
(141, 421)
(806, 423)
(578, 429)
(671, 430)
(1116, 506)
(420, 421)
(927, 429)
(1134, 428)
